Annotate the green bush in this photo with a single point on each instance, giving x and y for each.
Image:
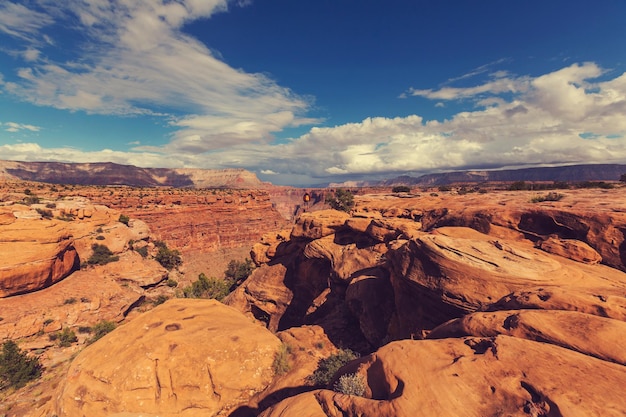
(168, 258)
(66, 217)
(31, 199)
(100, 329)
(160, 299)
(46, 214)
(124, 219)
(143, 251)
(239, 271)
(102, 255)
(342, 200)
(519, 186)
(16, 367)
(281, 364)
(206, 287)
(401, 189)
(350, 384)
(326, 368)
(66, 337)
(172, 283)
(551, 196)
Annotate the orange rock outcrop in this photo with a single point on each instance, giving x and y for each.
(183, 358)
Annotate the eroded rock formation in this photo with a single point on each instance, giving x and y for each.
(183, 358)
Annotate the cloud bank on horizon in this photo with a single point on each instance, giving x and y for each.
(126, 59)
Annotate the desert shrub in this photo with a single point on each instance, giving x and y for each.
(444, 188)
(551, 196)
(31, 199)
(342, 200)
(100, 329)
(281, 364)
(205, 287)
(99, 230)
(143, 251)
(168, 258)
(350, 384)
(16, 367)
(519, 186)
(124, 219)
(401, 189)
(326, 368)
(66, 337)
(70, 300)
(238, 271)
(46, 214)
(101, 255)
(66, 217)
(594, 184)
(84, 329)
(172, 283)
(160, 299)
(28, 191)
(100, 237)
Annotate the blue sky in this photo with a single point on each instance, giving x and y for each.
(314, 91)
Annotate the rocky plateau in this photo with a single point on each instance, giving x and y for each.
(483, 304)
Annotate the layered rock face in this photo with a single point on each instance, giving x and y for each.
(108, 173)
(197, 220)
(45, 282)
(183, 358)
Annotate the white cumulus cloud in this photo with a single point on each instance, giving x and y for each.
(135, 59)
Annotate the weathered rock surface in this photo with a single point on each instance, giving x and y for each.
(183, 358)
(479, 377)
(84, 298)
(595, 336)
(448, 277)
(197, 220)
(397, 281)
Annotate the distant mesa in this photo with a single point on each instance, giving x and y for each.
(108, 173)
(591, 172)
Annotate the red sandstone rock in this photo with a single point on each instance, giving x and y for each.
(183, 358)
(589, 334)
(35, 254)
(572, 249)
(471, 377)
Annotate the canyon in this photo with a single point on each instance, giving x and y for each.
(474, 304)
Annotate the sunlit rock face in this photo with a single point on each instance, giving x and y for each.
(183, 358)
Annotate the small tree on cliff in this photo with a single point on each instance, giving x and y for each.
(16, 367)
(168, 258)
(342, 200)
(101, 255)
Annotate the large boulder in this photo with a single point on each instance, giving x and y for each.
(36, 253)
(184, 358)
